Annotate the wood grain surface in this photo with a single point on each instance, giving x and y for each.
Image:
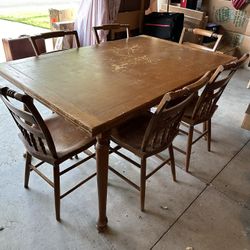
(97, 87)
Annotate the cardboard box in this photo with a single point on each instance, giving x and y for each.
(153, 7)
(222, 12)
(63, 25)
(133, 18)
(57, 15)
(227, 49)
(237, 40)
(187, 12)
(246, 121)
(68, 41)
(192, 18)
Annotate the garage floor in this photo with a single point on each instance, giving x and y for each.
(206, 209)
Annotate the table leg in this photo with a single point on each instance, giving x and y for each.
(102, 157)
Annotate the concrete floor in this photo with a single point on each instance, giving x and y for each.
(206, 209)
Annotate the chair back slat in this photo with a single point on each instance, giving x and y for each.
(53, 34)
(34, 132)
(194, 87)
(26, 125)
(20, 113)
(18, 48)
(206, 104)
(110, 28)
(164, 125)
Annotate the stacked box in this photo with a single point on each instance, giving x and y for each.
(57, 15)
(235, 23)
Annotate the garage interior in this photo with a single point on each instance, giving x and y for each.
(207, 208)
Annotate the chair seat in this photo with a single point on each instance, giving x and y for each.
(66, 136)
(130, 134)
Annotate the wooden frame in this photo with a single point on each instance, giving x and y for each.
(155, 132)
(110, 28)
(53, 34)
(201, 111)
(38, 140)
(18, 48)
(134, 87)
(201, 33)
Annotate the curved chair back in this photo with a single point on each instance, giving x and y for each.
(110, 28)
(18, 48)
(207, 102)
(55, 35)
(34, 132)
(164, 125)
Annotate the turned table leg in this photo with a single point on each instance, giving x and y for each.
(102, 156)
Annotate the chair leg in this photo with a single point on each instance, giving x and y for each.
(204, 129)
(209, 135)
(143, 182)
(189, 146)
(172, 161)
(57, 191)
(27, 170)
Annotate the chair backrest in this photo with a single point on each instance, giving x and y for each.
(207, 101)
(34, 132)
(20, 47)
(164, 124)
(61, 36)
(200, 33)
(110, 28)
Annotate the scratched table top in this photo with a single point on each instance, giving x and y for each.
(99, 86)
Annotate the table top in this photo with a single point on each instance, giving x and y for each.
(99, 86)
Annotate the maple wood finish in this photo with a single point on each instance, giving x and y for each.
(53, 34)
(52, 141)
(99, 87)
(150, 133)
(110, 27)
(202, 108)
(200, 33)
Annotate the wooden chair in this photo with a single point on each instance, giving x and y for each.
(62, 34)
(200, 33)
(111, 27)
(151, 133)
(202, 108)
(20, 47)
(52, 141)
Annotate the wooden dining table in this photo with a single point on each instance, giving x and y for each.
(101, 86)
